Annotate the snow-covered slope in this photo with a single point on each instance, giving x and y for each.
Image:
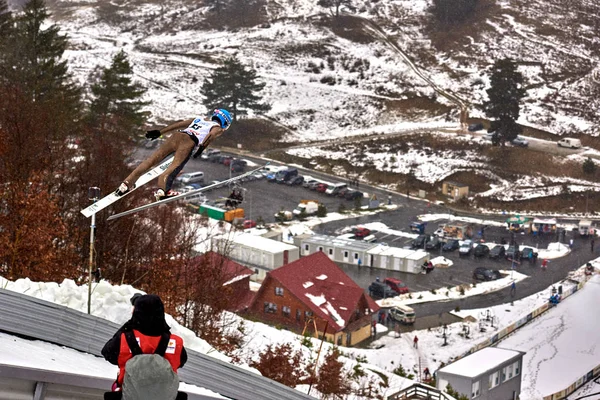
(327, 80)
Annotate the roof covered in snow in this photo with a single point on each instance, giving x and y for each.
(260, 243)
(332, 241)
(480, 362)
(323, 287)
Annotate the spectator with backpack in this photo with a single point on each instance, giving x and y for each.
(147, 354)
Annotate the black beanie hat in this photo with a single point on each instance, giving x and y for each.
(149, 315)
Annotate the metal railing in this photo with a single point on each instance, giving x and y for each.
(420, 391)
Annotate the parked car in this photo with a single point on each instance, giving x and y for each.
(361, 232)
(489, 136)
(513, 253)
(321, 187)
(286, 174)
(433, 244)
(206, 155)
(465, 248)
(226, 160)
(451, 245)
(403, 314)
(381, 290)
(190, 177)
(308, 182)
(342, 192)
(481, 250)
(528, 254)
(483, 274)
(353, 194)
(249, 223)
(397, 285)
(419, 241)
(497, 251)
(520, 142)
(333, 189)
(475, 127)
(271, 176)
(314, 185)
(569, 142)
(297, 180)
(237, 167)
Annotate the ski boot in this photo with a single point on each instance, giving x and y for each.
(123, 188)
(160, 194)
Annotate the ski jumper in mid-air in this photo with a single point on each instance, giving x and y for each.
(191, 137)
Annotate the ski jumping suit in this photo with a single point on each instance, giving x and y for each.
(183, 143)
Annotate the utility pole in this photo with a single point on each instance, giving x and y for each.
(93, 196)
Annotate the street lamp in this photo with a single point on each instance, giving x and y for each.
(93, 196)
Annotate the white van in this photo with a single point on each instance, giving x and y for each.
(335, 188)
(569, 142)
(191, 177)
(403, 314)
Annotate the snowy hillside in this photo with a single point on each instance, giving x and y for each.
(327, 79)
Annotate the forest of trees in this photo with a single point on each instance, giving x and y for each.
(55, 144)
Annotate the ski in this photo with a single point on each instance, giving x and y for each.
(112, 197)
(187, 194)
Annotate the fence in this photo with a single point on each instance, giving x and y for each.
(420, 391)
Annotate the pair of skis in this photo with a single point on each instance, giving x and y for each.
(147, 177)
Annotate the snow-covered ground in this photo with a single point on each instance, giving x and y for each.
(562, 345)
(112, 302)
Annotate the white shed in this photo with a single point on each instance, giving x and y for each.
(397, 259)
(256, 252)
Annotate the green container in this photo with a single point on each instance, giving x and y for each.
(212, 212)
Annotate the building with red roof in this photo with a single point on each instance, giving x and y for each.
(232, 275)
(314, 294)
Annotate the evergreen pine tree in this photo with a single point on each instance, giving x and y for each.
(589, 167)
(453, 11)
(234, 87)
(35, 59)
(116, 103)
(505, 94)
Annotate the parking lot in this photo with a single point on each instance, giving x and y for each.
(264, 199)
(261, 198)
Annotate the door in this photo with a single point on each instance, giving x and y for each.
(346, 255)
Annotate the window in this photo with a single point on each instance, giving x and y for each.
(320, 248)
(356, 256)
(507, 372)
(475, 389)
(286, 311)
(345, 254)
(306, 247)
(279, 291)
(298, 315)
(339, 340)
(330, 252)
(307, 314)
(270, 307)
(517, 367)
(494, 380)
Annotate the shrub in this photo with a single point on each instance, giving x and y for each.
(589, 167)
(328, 79)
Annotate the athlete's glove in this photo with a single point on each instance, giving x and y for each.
(153, 134)
(199, 151)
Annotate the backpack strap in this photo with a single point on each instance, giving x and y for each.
(163, 344)
(133, 344)
(135, 347)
